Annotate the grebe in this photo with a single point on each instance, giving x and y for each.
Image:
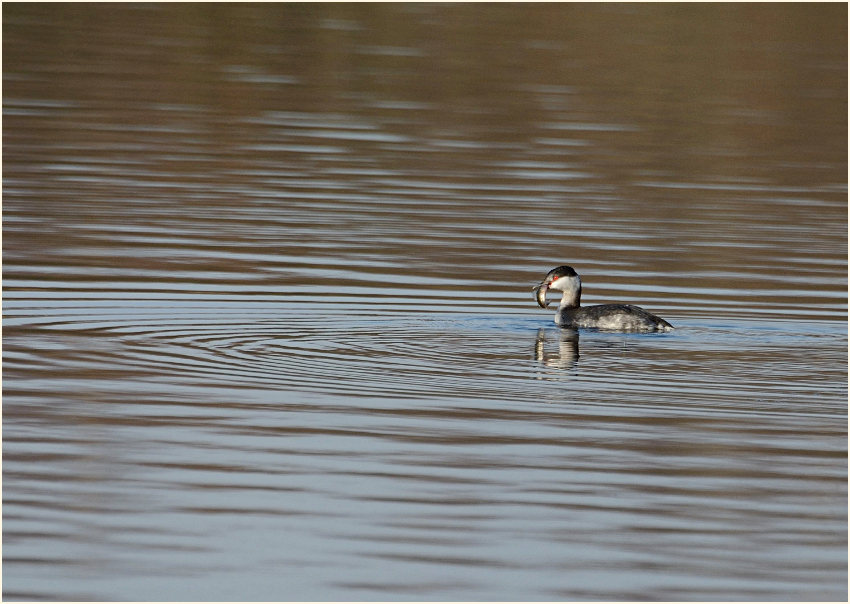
(620, 317)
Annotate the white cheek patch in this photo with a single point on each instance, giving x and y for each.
(566, 284)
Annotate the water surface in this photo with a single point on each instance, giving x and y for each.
(269, 331)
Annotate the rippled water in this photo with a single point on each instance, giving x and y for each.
(268, 323)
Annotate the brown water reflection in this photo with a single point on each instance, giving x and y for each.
(268, 327)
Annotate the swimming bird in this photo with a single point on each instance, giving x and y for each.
(617, 317)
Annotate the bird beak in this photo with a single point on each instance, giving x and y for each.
(540, 294)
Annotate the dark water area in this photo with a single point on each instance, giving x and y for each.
(268, 325)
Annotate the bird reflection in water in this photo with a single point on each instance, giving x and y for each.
(567, 355)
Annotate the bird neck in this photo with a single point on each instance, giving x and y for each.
(572, 295)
